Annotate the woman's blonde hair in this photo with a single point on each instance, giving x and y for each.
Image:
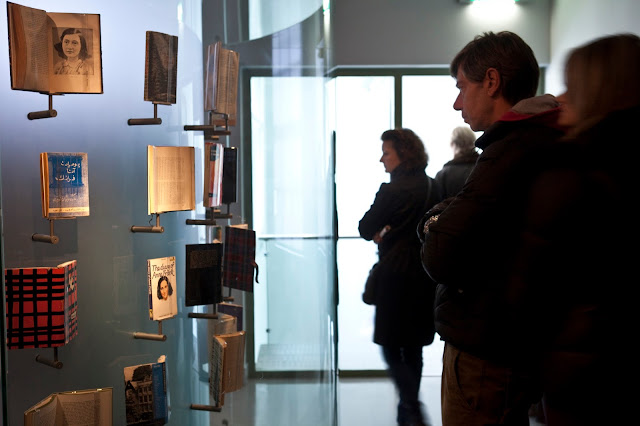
(603, 76)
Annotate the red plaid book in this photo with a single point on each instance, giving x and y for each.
(42, 305)
(239, 258)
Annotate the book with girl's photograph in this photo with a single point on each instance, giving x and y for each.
(54, 52)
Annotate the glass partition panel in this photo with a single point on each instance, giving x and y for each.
(292, 191)
(364, 109)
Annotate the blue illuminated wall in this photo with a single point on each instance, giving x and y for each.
(112, 290)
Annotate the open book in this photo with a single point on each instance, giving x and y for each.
(74, 408)
(42, 305)
(145, 388)
(64, 184)
(221, 83)
(161, 68)
(162, 285)
(226, 368)
(171, 178)
(54, 52)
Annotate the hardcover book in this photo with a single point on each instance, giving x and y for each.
(234, 310)
(54, 52)
(161, 68)
(229, 175)
(213, 165)
(238, 260)
(221, 83)
(224, 324)
(163, 297)
(145, 388)
(203, 281)
(226, 367)
(64, 184)
(42, 306)
(73, 408)
(170, 178)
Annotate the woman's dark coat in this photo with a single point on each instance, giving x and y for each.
(404, 298)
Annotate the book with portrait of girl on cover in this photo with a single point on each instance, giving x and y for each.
(54, 52)
(161, 281)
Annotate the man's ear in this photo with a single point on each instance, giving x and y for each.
(492, 81)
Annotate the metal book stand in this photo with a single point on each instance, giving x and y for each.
(51, 239)
(152, 229)
(211, 127)
(210, 217)
(145, 121)
(46, 113)
(51, 363)
(151, 336)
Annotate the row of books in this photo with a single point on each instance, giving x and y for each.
(64, 180)
(42, 60)
(42, 302)
(146, 389)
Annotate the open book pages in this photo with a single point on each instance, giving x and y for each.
(73, 408)
(54, 52)
(221, 82)
(170, 178)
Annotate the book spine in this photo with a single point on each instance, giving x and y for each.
(150, 289)
(159, 383)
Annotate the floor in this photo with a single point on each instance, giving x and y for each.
(303, 402)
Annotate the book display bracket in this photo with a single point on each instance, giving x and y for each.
(211, 127)
(51, 239)
(146, 121)
(211, 216)
(46, 113)
(205, 407)
(151, 336)
(51, 363)
(152, 229)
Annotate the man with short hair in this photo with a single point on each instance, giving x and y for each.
(487, 322)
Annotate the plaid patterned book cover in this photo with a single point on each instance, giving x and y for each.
(42, 305)
(239, 258)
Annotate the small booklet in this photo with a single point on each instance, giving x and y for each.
(74, 408)
(145, 389)
(64, 184)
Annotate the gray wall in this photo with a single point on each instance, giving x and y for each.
(574, 22)
(425, 32)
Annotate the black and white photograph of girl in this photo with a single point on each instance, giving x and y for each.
(165, 304)
(72, 51)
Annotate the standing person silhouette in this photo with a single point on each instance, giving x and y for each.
(404, 293)
(579, 225)
(454, 173)
(490, 362)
